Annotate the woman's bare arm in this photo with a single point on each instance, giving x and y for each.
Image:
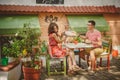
(57, 38)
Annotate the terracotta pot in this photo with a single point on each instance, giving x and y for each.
(115, 53)
(11, 59)
(31, 73)
(75, 42)
(39, 63)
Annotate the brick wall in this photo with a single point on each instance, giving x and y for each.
(44, 25)
(114, 23)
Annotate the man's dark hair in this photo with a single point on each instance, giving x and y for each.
(92, 22)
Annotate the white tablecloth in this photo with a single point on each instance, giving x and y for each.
(78, 45)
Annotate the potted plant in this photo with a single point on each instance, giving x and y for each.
(6, 50)
(32, 66)
(11, 50)
(43, 47)
(77, 40)
(4, 60)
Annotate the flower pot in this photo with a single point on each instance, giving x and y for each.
(4, 61)
(115, 53)
(25, 59)
(31, 73)
(75, 42)
(11, 59)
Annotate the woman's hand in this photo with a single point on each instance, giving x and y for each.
(60, 45)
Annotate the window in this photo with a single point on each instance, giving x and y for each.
(50, 1)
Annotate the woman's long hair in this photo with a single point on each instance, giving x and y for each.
(51, 28)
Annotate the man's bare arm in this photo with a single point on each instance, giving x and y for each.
(83, 37)
(99, 42)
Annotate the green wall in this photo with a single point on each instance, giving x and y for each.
(79, 22)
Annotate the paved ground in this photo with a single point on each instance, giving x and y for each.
(103, 74)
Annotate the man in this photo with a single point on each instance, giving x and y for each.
(93, 36)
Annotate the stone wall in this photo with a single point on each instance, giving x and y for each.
(61, 21)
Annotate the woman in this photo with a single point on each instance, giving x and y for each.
(57, 51)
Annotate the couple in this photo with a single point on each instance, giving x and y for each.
(92, 36)
(54, 40)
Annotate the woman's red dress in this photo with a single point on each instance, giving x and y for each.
(55, 49)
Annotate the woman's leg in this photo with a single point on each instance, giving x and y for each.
(69, 62)
(70, 67)
(72, 63)
(72, 56)
(75, 67)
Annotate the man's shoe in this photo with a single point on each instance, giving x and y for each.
(89, 68)
(91, 72)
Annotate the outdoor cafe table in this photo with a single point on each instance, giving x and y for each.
(77, 46)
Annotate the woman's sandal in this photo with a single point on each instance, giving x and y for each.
(71, 72)
(76, 68)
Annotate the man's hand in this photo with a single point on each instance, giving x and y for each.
(83, 37)
(88, 41)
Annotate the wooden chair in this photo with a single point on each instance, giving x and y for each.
(50, 58)
(107, 47)
(77, 51)
(84, 54)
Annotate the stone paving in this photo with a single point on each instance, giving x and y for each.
(102, 74)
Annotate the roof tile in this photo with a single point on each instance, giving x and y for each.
(118, 10)
(66, 9)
